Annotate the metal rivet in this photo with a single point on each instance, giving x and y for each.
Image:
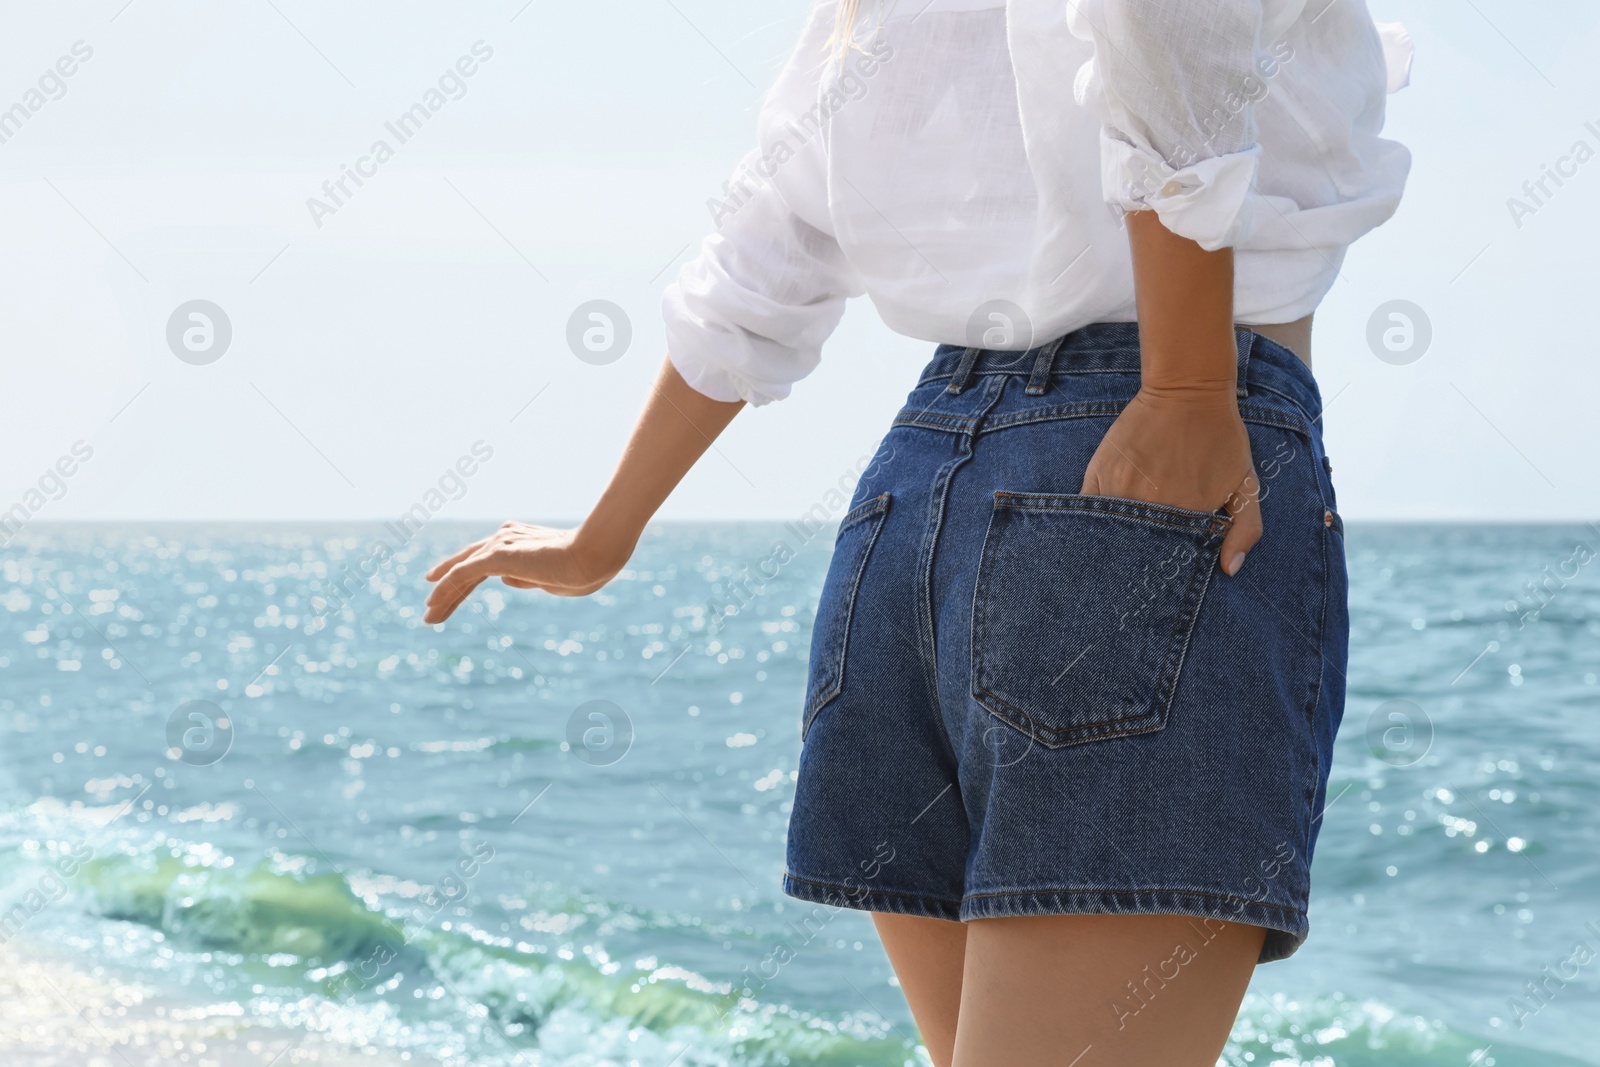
(1327, 517)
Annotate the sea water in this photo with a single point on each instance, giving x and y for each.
(239, 770)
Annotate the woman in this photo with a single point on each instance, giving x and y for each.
(1079, 657)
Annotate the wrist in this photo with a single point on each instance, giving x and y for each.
(1201, 362)
(1191, 391)
(603, 548)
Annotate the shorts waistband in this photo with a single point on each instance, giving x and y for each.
(1113, 348)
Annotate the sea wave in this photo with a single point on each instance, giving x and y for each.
(361, 943)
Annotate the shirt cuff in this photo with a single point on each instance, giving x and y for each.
(715, 357)
(714, 382)
(1210, 202)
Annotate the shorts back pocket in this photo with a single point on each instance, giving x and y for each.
(1083, 610)
(831, 630)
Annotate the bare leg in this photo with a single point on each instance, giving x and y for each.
(1102, 990)
(927, 955)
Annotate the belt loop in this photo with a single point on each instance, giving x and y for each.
(1040, 378)
(963, 374)
(1244, 338)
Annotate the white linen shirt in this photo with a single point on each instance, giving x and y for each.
(967, 166)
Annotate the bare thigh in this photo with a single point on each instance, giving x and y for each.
(1102, 990)
(1078, 990)
(928, 957)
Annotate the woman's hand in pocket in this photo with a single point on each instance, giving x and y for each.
(523, 556)
(1187, 448)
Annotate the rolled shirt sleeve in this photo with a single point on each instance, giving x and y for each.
(1174, 82)
(746, 318)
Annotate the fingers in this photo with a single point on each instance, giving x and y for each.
(454, 587)
(1091, 481)
(441, 567)
(463, 572)
(1244, 504)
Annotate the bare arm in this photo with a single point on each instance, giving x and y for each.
(674, 430)
(1181, 440)
(1184, 300)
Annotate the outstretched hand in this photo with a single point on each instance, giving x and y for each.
(523, 556)
(1185, 448)
(675, 428)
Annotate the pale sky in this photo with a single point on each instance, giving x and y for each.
(424, 313)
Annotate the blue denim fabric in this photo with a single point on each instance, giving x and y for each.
(1024, 701)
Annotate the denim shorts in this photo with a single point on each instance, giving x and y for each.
(1027, 701)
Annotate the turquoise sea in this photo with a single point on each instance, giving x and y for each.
(257, 789)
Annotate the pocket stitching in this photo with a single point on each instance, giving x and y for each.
(1172, 668)
(1177, 650)
(1118, 507)
(860, 513)
(1289, 415)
